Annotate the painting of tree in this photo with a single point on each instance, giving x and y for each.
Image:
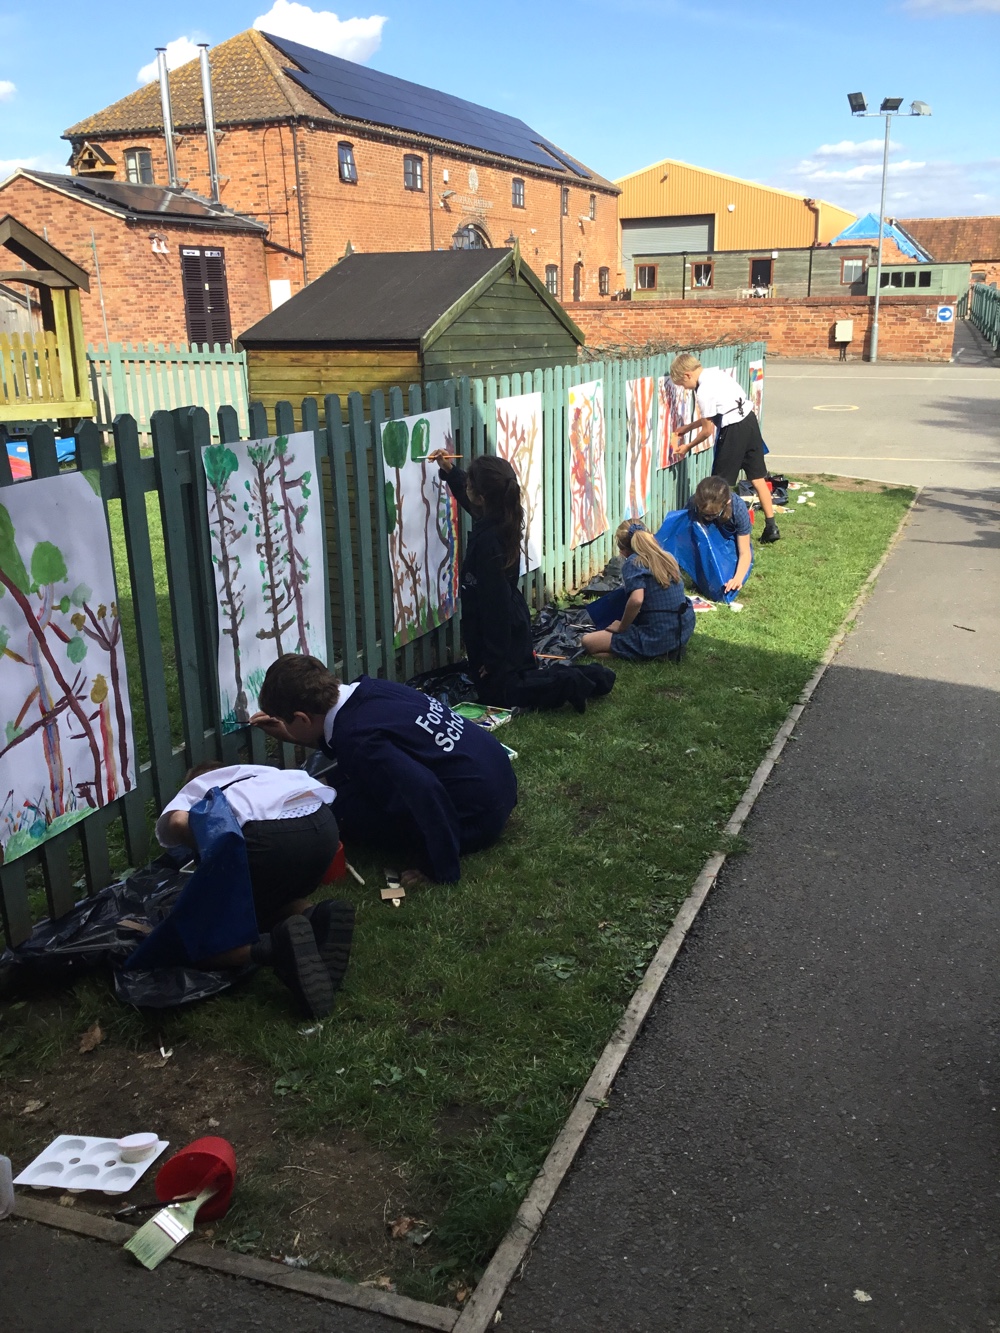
(639, 454)
(67, 745)
(676, 409)
(422, 521)
(588, 504)
(267, 556)
(519, 440)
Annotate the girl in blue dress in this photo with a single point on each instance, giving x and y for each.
(658, 618)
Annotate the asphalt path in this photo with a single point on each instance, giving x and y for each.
(932, 425)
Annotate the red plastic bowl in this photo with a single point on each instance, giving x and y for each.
(189, 1170)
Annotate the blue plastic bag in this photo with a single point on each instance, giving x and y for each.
(707, 557)
(215, 912)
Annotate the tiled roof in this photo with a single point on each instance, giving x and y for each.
(144, 203)
(248, 87)
(956, 240)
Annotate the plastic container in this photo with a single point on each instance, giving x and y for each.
(188, 1171)
(75, 1162)
(137, 1147)
(6, 1188)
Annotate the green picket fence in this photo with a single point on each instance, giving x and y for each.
(985, 312)
(143, 378)
(183, 654)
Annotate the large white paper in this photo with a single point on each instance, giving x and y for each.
(423, 524)
(519, 440)
(266, 527)
(639, 419)
(67, 743)
(588, 490)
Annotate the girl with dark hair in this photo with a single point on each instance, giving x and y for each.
(495, 618)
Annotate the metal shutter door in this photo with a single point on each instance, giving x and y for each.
(665, 236)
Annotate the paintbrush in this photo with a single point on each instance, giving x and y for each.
(161, 1235)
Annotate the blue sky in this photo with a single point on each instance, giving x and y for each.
(757, 93)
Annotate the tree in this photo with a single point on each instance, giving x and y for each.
(266, 514)
(297, 565)
(220, 464)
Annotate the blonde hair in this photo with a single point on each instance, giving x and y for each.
(712, 492)
(683, 365)
(636, 539)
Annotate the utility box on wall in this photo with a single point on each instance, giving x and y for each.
(843, 331)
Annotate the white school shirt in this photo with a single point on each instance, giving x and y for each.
(345, 693)
(720, 397)
(257, 792)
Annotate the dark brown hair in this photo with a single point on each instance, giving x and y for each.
(296, 683)
(495, 483)
(199, 770)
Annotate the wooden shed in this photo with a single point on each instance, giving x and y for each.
(379, 320)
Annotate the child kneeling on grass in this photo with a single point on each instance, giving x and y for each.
(714, 504)
(291, 837)
(658, 618)
(411, 774)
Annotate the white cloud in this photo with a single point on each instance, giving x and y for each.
(179, 52)
(913, 189)
(8, 165)
(850, 148)
(7, 90)
(354, 39)
(932, 7)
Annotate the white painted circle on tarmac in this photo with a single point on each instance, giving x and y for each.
(836, 407)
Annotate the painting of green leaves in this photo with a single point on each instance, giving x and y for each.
(266, 527)
(422, 519)
(66, 747)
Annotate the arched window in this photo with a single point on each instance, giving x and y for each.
(470, 237)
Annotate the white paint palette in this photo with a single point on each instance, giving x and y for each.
(76, 1163)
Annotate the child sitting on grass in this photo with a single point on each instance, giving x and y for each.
(713, 503)
(658, 618)
(291, 837)
(411, 774)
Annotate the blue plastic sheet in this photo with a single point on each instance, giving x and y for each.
(707, 557)
(215, 912)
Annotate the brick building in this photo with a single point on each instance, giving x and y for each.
(975, 241)
(164, 266)
(331, 157)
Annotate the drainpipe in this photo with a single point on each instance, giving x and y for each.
(206, 97)
(168, 119)
(298, 196)
(814, 206)
(430, 191)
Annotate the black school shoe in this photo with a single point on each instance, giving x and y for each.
(332, 924)
(296, 959)
(770, 533)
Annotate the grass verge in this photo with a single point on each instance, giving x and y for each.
(473, 1015)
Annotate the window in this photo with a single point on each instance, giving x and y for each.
(565, 201)
(604, 281)
(139, 166)
(577, 282)
(645, 277)
(470, 238)
(552, 278)
(348, 167)
(413, 172)
(895, 279)
(924, 278)
(761, 272)
(851, 270)
(517, 192)
(206, 296)
(701, 274)
(909, 279)
(593, 208)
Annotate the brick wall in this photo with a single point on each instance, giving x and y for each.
(908, 328)
(257, 166)
(990, 268)
(143, 297)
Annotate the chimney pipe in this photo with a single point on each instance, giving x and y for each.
(168, 119)
(206, 97)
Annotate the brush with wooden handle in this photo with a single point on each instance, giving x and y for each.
(161, 1235)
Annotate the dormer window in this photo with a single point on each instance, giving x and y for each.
(139, 166)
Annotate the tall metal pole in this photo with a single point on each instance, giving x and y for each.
(873, 353)
(168, 119)
(207, 101)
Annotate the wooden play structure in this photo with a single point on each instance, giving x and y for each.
(43, 375)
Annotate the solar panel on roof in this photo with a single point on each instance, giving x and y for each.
(360, 93)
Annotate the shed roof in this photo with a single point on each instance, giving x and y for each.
(33, 249)
(144, 203)
(955, 240)
(394, 297)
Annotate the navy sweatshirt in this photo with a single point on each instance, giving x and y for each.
(409, 768)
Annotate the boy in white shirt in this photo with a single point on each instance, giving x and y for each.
(724, 407)
(291, 836)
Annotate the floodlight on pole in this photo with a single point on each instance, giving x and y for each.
(889, 108)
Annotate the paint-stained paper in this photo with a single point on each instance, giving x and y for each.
(67, 745)
(422, 518)
(519, 440)
(676, 409)
(588, 490)
(266, 527)
(757, 387)
(639, 419)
